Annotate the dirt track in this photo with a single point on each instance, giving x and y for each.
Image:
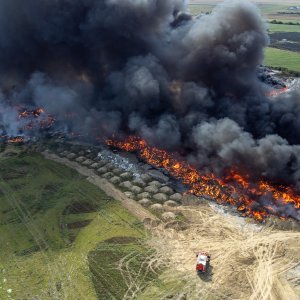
(248, 261)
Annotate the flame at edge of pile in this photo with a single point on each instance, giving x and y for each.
(233, 189)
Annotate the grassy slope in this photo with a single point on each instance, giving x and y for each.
(37, 255)
(282, 58)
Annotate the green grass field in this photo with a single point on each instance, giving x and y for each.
(196, 9)
(63, 238)
(283, 28)
(272, 8)
(268, 10)
(282, 58)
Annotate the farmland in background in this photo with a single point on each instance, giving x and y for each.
(283, 26)
(282, 58)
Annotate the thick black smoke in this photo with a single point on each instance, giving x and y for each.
(147, 67)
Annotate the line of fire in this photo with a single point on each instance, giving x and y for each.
(252, 199)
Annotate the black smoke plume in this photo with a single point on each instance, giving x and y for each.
(147, 67)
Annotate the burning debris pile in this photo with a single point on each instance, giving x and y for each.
(257, 200)
(269, 77)
(30, 122)
(276, 84)
(149, 69)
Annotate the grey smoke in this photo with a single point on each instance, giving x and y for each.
(147, 67)
(8, 117)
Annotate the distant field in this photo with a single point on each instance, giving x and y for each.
(282, 58)
(201, 8)
(284, 18)
(283, 28)
(272, 8)
(269, 10)
(63, 238)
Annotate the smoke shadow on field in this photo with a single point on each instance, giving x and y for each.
(207, 276)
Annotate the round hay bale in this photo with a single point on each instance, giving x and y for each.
(115, 180)
(110, 166)
(126, 175)
(145, 202)
(160, 197)
(143, 195)
(157, 207)
(101, 163)
(87, 162)
(108, 175)
(151, 189)
(146, 178)
(168, 216)
(139, 182)
(135, 189)
(171, 203)
(155, 183)
(166, 190)
(71, 156)
(65, 153)
(80, 159)
(117, 171)
(130, 195)
(176, 197)
(126, 185)
(95, 166)
(102, 170)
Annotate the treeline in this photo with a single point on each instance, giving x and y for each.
(288, 13)
(286, 72)
(284, 23)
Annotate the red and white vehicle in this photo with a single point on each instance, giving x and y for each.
(203, 260)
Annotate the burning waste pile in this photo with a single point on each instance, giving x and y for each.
(146, 76)
(28, 121)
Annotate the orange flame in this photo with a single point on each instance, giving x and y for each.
(17, 139)
(32, 115)
(277, 92)
(233, 189)
(30, 120)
